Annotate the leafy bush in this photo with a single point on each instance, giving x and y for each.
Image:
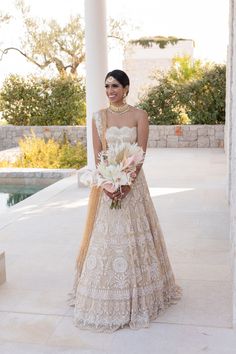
(38, 153)
(161, 103)
(72, 156)
(5, 163)
(188, 93)
(184, 69)
(205, 98)
(41, 101)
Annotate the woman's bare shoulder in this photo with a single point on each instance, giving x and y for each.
(99, 111)
(98, 114)
(139, 113)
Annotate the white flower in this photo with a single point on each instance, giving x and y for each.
(111, 174)
(117, 166)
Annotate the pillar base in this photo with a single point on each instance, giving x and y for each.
(79, 174)
(2, 268)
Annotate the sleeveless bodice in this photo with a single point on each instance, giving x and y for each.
(115, 134)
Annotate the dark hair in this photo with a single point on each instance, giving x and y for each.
(120, 76)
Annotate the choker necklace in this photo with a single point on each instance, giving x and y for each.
(119, 109)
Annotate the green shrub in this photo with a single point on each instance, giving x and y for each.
(72, 156)
(187, 95)
(5, 163)
(184, 69)
(161, 103)
(205, 98)
(41, 101)
(38, 153)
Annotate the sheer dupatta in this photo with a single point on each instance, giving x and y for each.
(94, 199)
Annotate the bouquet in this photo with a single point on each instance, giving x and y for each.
(116, 168)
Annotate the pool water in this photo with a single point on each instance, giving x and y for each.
(13, 194)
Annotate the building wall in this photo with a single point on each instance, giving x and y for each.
(140, 64)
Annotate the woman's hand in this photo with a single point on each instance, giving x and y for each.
(110, 195)
(124, 191)
(120, 194)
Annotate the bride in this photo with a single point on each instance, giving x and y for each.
(123, 274)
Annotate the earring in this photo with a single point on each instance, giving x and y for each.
(124, 98)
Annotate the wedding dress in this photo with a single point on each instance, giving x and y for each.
(127, 278)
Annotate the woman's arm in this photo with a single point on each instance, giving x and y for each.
(143, 131)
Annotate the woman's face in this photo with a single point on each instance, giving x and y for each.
(114, 90)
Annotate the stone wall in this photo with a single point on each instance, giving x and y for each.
(10, 135)
(170, 136)
(184, 136)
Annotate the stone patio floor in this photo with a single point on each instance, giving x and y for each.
(41, 236)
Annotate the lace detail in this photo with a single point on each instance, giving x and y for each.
(115, 134)
(127, 279)
(123, 134)
(110, 315)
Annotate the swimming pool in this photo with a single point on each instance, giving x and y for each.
(13, 194)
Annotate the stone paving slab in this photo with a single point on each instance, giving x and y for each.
(41, 236)
(10, 154)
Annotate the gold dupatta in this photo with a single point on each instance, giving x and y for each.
(94, 199)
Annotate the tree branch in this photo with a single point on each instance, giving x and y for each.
(64, 49)
(116, 37)
(41, 66)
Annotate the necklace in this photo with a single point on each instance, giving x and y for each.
(119, 109)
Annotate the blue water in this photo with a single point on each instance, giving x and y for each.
(13, 194)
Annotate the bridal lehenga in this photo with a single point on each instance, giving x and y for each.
(126, 279)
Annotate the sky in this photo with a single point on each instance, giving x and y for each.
(204, 21)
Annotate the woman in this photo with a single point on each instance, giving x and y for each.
(126, 277)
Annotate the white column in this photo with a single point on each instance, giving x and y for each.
(96, 64)
(2, 267)
(232, 144)
(228, 115)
